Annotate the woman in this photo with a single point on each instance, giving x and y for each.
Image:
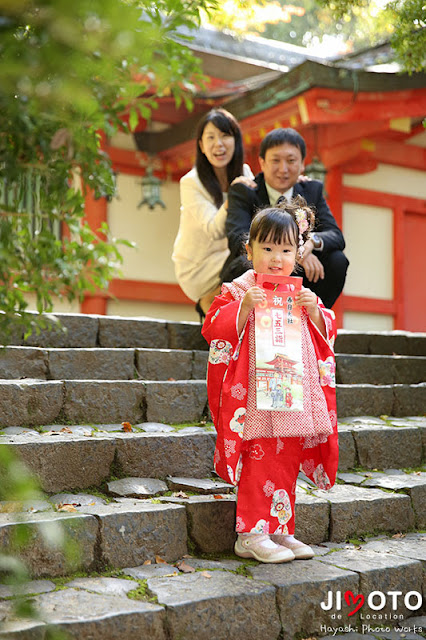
(201, 246)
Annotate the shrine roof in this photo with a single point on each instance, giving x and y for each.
(250, 49)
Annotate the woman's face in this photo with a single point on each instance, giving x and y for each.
(217, 146)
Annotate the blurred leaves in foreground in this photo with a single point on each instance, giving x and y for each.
(71, 70)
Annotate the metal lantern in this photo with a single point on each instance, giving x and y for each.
(316, 169)
(151, 191)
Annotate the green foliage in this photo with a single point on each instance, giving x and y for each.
(16, 482)
(355, 24)
(405, 20)
(310, 23)
(17, 485)
(70, 70)
(362, 28)
(409, 39)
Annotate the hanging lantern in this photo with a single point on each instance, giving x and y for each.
(316, 169)
(151, 190)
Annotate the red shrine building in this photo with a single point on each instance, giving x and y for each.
(362, 121)
(281, 364)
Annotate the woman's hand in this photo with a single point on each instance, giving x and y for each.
(244, 180)
(303, 178)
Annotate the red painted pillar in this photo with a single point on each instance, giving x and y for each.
(333, 187)
(95, 214)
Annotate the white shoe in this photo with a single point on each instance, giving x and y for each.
(300, 550)
(261, 548)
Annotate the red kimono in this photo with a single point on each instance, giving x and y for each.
(266, 468)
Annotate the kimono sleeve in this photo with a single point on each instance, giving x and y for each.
(220, 331)
(328, 450)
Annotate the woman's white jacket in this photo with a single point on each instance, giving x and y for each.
(201, 246)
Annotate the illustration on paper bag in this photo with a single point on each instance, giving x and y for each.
(279, 367)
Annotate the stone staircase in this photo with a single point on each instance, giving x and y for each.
(111, 415)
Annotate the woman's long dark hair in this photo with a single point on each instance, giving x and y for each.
(225, 122)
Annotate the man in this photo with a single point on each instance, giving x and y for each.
(282, 154)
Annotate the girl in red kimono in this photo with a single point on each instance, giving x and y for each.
(259, 451)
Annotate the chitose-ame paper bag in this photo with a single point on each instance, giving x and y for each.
(279, 367)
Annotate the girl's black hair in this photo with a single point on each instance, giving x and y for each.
(225, 122)
(279, 223)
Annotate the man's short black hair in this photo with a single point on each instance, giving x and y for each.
(276, 137)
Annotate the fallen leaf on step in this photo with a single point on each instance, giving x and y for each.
(65, 430)
(206, 574)
(171, 379)
(184, 567)
(147, 562)
(10, 507)
(180, 494)
(160, 560)
(218, 497)
(66, 507)
(126, 426)
(399, 535)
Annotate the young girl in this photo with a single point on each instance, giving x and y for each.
(262, 451)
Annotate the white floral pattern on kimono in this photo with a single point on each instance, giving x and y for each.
(314, 441)
(261, 526)
(237, 421)
(321, 478)
(281, 506)
(327, 372)
(220, 352)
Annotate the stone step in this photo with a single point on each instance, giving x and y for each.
(37, 402)
(380, 370)
(95, 363)
(381, 343)
(378, 400)
(165, 364)
(78, 457)
(113, 535)
(131, 531)
(68, 330)
(63, 461)
(81, 330)
(413, 484)
(232, 599)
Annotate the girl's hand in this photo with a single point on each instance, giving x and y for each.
(255, 295)
(308, 299)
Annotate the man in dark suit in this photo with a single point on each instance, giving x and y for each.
(282, 154)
